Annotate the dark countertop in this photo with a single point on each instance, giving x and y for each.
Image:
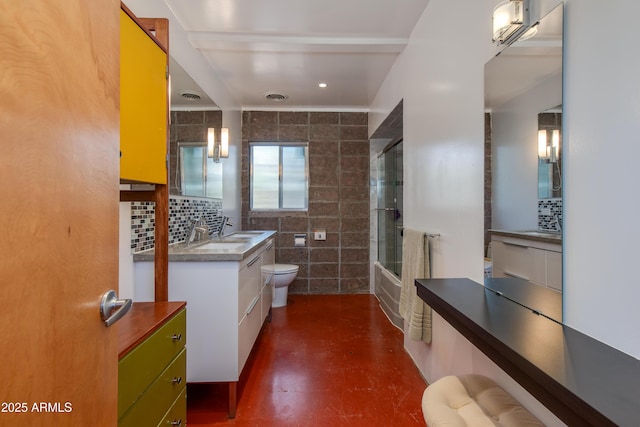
(583, 381)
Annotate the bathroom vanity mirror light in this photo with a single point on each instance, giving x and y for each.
(548, 150)
(219, 150)
(510, 21)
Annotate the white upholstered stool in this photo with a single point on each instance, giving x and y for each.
(473, 401)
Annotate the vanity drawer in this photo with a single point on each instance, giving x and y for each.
(248, 330)
(160, 394)
(177, 414)
(266, 298)
(518, 260)
(249, 285)
(144, 363)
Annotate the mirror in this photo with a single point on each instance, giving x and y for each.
(200, 176)
(191, 173)
(523, 158)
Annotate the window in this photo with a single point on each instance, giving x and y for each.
(279, 176)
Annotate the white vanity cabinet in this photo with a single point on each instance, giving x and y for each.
(227, 301)
(539, 262)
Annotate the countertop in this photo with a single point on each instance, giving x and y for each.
(143, 319)
(582, 380)
(540, 236)
(195, 252)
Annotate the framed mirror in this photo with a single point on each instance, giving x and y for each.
(523, 167)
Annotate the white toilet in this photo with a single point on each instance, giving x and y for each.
(283, 276)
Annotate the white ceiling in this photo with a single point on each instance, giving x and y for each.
(257, 47)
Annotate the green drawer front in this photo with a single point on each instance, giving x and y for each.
(153, 404)
(145, 362)
(177, 414)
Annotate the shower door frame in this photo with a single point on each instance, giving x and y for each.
(389, 207)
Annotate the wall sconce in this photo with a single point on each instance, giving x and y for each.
(218, 150)
(224, 143)
(510, 20)
(549, 152)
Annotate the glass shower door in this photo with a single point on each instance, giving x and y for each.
(389, 208)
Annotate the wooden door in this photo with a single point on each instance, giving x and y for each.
(59, 185)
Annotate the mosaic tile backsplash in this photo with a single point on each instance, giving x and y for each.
(181, 210)
(548, 211)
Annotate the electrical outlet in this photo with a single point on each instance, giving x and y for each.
(545, 211)
(320, 234)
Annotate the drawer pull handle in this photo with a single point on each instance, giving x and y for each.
(269, 247)
(253, 304)
(176, 380)
(176, 337)
(176, 423)
(253, 261)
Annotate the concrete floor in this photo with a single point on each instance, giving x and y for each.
(324, 360)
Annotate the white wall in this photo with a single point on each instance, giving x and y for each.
(601, 154)
(440, 77)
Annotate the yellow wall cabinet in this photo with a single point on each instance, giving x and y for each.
(143, 105)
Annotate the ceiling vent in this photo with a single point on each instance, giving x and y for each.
(191, 95)
(277, 97)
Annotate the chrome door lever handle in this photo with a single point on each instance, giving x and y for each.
(112, 309)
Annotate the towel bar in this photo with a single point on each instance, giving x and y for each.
(425, 234)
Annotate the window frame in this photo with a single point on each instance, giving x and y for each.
(280, 145)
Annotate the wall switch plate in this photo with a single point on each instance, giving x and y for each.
(545, 211)
(320, 234)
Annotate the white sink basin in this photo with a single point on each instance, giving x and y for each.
(222, 246)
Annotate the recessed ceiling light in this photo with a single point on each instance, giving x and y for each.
(322, 85)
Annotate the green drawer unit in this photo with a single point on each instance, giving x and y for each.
(177, 414)
(142, 365)
(162, 393)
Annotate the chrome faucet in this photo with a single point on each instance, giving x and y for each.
(225, 223)
(197, 229)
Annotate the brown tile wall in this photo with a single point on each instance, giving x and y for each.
(338, 198)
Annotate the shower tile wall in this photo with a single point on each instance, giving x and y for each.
(338, 198)
(181, 210)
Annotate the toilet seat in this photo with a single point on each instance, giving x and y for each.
(279, 268)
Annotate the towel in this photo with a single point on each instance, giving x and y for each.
(415, 265)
